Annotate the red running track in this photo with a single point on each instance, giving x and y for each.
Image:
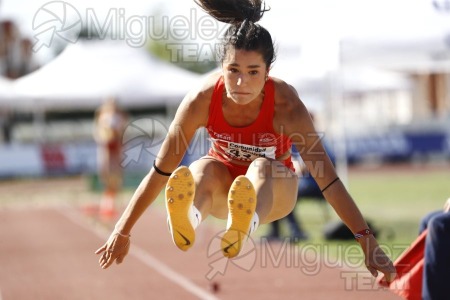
(48, 253)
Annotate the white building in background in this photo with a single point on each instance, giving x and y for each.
(425, 62)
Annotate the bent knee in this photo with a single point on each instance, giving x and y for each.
(269, 167)
(260, 167)
(261, 162)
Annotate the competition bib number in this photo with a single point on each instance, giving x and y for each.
(245, 152)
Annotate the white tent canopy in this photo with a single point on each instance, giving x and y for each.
(426, 56)
(367, 79)
(87, 72)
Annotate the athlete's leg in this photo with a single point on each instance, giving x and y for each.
(109, 181)
(276, 189)
(212, 182)
(266, 193)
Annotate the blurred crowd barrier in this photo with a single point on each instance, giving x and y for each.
(66, 158)
(398, 146)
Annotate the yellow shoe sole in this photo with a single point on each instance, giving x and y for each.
(241, 206)
(180, 191)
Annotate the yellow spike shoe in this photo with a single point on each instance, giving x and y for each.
(180, 191)
(241, 207)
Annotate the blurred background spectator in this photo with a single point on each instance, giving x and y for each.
(16, 55)
(109, 126)
(436, 267)
(16, 60)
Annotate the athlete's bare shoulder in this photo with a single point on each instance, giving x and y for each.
(195, 105)
(289, 108)
(285, 94)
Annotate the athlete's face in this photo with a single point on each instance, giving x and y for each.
(244, 75)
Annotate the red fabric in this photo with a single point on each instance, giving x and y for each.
(409, 265)
(235, 170)
(246, 143)
(114, 146)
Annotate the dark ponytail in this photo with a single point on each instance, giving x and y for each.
(233, 11)
(243, 33)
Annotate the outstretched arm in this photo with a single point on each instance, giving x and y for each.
(298, 125)
(191, 115)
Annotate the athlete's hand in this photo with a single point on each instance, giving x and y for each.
(376, 260)
(115, 249)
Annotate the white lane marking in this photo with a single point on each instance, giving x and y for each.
(146, 258)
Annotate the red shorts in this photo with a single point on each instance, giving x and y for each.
(235, 170)
(114, 146)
